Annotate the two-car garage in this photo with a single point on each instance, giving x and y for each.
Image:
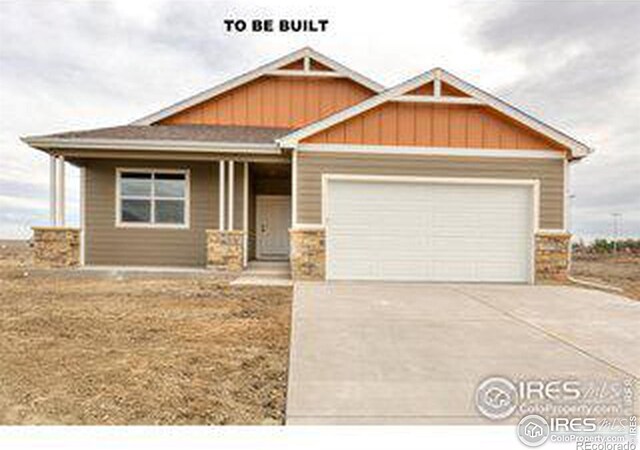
(429, 229)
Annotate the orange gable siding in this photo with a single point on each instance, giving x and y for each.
(414, 124)
(315, 65)
(296, 65)
(425, 89)
(447, 89)
(275, 102)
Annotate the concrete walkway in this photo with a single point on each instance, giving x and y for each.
(265, 273)
(414, 353)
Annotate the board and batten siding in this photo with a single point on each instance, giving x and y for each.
(275, 102)
(311, 166)
(425, 125)
(107, 244)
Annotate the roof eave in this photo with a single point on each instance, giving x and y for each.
(49, 144)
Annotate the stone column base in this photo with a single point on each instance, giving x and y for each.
(552, 256)
(307, 254)
(56, 247)
(225, 250)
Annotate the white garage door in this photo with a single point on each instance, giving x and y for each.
(425, 231)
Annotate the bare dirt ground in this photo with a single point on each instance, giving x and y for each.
(138, 350)
(620, 271)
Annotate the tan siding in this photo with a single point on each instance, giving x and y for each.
(276, 102)
(109, 245)
(435, 126)
(311, 166)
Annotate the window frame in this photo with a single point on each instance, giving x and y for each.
(119, 223)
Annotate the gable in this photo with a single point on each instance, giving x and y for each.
(275, 101)
(433, 125)
(436, 109)
(303, 64)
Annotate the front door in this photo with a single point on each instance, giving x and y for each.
(273, 218)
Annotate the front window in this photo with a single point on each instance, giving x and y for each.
(153, 197)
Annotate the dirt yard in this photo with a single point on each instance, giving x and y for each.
(619, 271)
(138, 350)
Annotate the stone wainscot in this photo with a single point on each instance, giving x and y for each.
(552, 254)
(307, 254)
(56, 247)
(225, 250)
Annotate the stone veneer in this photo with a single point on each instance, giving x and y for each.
(307, 254)
(56, 247)
(552, 256)
(225, 250)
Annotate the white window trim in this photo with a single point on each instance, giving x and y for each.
(533, 184)
(187, 199)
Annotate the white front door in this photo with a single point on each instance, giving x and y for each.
(273, 218)
(420, 231)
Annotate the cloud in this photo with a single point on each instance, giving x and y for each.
(582, 74)
(90, 64)
(74, 65)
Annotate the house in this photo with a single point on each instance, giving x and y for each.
(308, 160)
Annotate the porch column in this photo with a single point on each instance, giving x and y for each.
(83, 214)
(245, 214)
(225, 245)
(53, 189)
(231, 185)
(221, 196)
(56, 245)
(60, 206)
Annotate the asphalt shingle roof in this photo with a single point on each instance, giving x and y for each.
(196, 133)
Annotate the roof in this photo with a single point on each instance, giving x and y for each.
(306, 52)
(143, 135)
(578, 149)
(163, 136)
(202, 133)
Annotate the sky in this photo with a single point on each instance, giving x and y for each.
(67, 65)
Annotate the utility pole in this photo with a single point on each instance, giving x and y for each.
(616, 230)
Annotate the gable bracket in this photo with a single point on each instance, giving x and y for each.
(306, 73)
(437, 83)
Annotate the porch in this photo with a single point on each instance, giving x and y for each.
(220, 214)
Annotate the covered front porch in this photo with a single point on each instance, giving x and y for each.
(226, 214)
(260, 231)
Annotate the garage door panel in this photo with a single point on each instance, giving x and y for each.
(428, 232)
(356, 268)
(502, 271)
(452, 270)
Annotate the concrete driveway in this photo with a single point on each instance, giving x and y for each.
(414, 353)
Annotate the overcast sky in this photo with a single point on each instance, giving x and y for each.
(71, 65)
